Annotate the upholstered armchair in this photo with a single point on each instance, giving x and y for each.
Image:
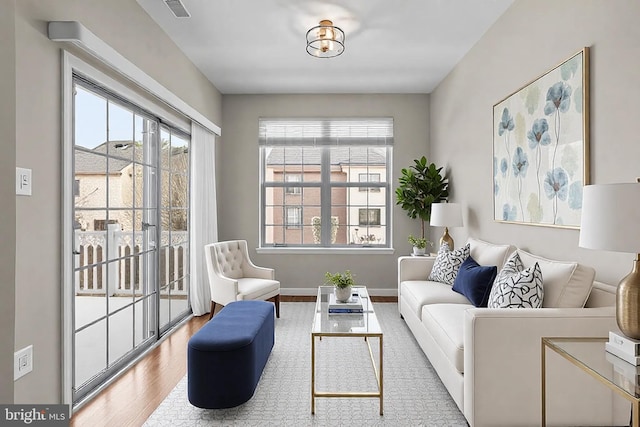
(233, 277)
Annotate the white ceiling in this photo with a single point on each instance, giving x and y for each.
(391, 46)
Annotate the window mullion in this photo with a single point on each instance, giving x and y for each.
(388, 193)
(325, 197)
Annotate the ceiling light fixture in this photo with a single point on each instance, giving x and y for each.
(325, 40)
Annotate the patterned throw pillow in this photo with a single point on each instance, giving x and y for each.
(445, 268)
(517, 287)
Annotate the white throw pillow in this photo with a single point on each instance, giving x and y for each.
(566, 283)
(516, 286)
(447, 263)
(486, 253)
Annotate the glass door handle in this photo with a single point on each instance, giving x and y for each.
(146, 225)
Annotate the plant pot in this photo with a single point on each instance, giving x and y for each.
(343, 294)
(419, 251)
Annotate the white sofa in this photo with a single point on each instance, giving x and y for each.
(489, 359)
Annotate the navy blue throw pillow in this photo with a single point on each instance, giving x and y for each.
(474, 281)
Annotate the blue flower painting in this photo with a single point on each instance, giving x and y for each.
(507, 123)
(556, 184)
(540, 137)
(539, 134)
(556, 187)
(520, 163)
(558, 98)
(520, 166)
(503, 167)
(505, 127)
(558, 101)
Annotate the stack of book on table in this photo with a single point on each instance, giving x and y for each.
(625, 348)
(624, 354)
(625, 375)
(353, 306)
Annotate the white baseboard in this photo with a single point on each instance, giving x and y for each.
(393, 292)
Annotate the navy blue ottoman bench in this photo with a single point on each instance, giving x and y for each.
(225, 358)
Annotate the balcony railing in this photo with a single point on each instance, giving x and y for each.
(125, 268)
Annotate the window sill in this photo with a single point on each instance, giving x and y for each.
(326, 251)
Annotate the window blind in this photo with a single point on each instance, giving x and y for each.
(326, 131)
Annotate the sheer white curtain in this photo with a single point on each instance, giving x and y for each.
(204, 220)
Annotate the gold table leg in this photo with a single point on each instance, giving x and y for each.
(380, 382)
(313, 374)
(378, 373)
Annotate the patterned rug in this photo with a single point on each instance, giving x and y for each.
(413, 393)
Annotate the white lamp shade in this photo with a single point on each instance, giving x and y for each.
(446, 215)
(611, 217)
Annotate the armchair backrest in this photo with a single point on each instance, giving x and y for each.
(230, 258)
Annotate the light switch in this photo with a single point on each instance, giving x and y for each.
(23, 182)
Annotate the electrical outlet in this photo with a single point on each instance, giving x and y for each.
(22, 362)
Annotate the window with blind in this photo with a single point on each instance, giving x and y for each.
(325, 182)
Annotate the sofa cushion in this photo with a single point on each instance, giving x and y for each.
(566, 284)
(516, 286)
(445, 324)
(447, 264)
(417, 293)
(474, 281)
(486, 253)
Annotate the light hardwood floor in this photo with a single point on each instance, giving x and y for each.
(133, 397)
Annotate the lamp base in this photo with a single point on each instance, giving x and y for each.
(628, 302)
(446, 238)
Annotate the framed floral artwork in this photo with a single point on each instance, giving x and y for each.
(541, 147)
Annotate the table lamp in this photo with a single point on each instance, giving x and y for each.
(446, 215)
(611, 221)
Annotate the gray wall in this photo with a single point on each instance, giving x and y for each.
(530, 38)
(8, 197)
(128, 29)
(238, 188)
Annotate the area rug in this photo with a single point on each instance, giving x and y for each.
(413, 393)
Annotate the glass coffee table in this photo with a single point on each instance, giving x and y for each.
(364, 325)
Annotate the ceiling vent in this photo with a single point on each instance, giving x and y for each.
(177, 8)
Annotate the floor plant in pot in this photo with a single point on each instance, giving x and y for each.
(342, 282)
(421, 185)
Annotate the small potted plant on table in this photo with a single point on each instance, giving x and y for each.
(342, 282)
(419, 245)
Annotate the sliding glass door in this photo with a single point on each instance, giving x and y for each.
(130, 231)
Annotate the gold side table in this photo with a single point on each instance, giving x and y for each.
(367, 327)
(588, 354)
